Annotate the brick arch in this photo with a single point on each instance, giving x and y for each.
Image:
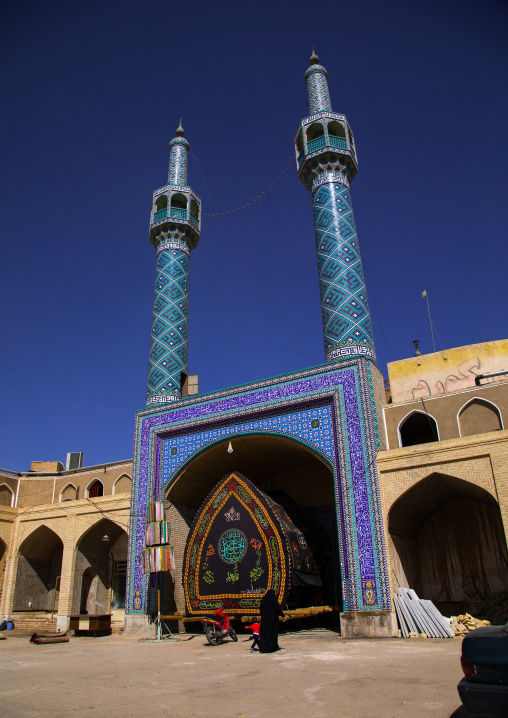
(39, 565)
(446, 540)
(91, 484)
(476, 471)
(69, 495)
(117, 481)
(93, 566)
(94, 524)
(23, 538)
(479, 402)
(5, 491)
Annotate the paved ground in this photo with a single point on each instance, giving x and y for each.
(316, 675)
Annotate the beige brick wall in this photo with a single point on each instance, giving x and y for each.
(181, 518)
(46, 489)
(70, 520)
(480, 459)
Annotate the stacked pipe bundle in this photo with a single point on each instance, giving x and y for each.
(158, 554)
(419, 617)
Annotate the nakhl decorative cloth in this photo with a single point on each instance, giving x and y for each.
(241, 544)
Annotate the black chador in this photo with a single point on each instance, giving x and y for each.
(269, 632)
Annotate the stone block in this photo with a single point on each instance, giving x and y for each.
(367, 624)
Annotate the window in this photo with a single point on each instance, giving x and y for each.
(418, 428)
(96, 489)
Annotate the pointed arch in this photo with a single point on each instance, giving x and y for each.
(68, 493)
(179, 200)
(98, 582)
(94, 489)
(314, 131)
(161, 203)
(6, 495)
(336, 129)
(38, 568)
(100, 525)
(447, 542)
(479, 416)
(417, 427)
(122, 484)
(275, 462)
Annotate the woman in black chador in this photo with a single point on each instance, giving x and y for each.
(269, 632)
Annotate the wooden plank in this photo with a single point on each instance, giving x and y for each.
(292, 614)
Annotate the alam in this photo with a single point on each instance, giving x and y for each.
(318, 484)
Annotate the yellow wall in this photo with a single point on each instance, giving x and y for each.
(446, 371)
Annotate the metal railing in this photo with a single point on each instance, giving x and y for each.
(178, 213)
(194, 219)
(339, 142)
(160, 214)
(316, 144)
(321, 142)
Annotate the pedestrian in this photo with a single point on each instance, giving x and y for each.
(255, 635)
(269, 632)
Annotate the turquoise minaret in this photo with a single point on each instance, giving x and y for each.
(327, 164)
(174, 232)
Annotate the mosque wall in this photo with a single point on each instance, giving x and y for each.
(444, 495)
(40, 542)
(446, 371)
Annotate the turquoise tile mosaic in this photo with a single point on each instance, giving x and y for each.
(312, 426)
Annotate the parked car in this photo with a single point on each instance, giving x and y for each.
(484, 661)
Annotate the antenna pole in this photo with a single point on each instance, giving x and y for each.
(425, 296)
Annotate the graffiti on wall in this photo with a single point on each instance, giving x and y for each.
(467, 371)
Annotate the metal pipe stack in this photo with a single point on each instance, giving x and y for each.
(419, 616)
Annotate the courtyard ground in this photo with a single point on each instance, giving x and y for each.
(316, 675)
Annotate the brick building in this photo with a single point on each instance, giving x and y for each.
(63, 542)
(444, 478)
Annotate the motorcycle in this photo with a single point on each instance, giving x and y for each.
(216, 631)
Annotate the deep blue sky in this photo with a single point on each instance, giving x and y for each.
(92, 93)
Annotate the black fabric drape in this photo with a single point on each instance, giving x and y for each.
(269, 631)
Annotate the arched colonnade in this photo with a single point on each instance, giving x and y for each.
(63, 569)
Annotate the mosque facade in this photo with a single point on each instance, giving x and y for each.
(402, 488)
(325, 418)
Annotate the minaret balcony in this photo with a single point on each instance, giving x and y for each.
(178, 204)
(176, 213)
(321, 143)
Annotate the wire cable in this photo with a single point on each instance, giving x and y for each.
(249, 275)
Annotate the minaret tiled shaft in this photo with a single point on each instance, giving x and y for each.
(178, 149)
(326, 165)
(174, 231)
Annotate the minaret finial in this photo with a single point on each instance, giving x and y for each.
(179, 130)
(314, 59)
